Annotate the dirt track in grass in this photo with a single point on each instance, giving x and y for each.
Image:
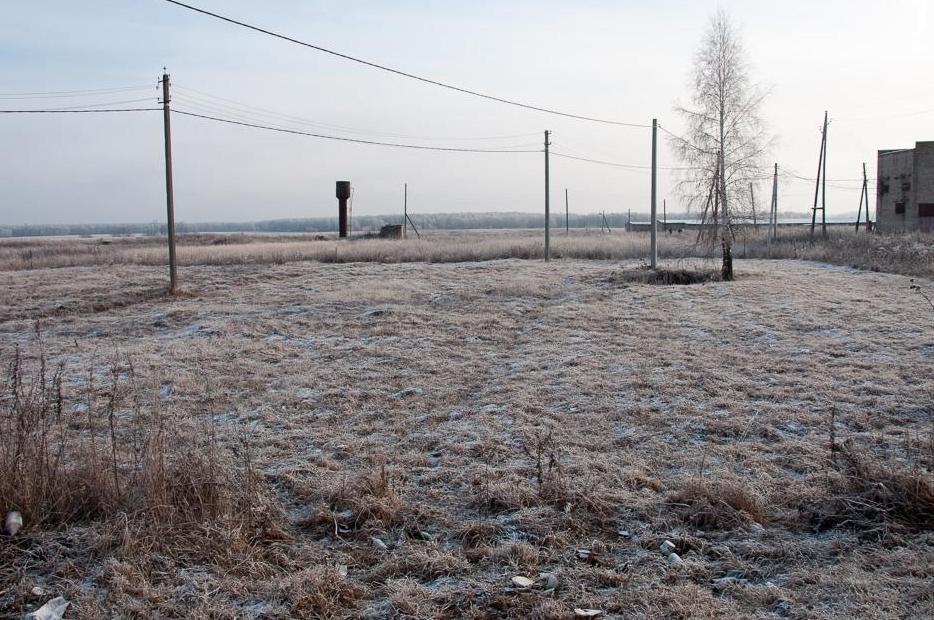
(498, 419)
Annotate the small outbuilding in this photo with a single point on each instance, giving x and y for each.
(905, 189)
(392, 231)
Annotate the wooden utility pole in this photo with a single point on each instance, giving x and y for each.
(628, 220)
(547, 202)
(823, 201)
(567, 214)
(405, 209)
(821, 169)
(654, 218)
(665, 214)
(773, 212)
(752, 199)
(169, 190)
(863, 195)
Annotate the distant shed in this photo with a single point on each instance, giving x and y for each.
(392, 231)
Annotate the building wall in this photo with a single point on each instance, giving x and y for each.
(906, 178)
(894, 186)
(924, 185)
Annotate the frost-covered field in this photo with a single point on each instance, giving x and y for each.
(423, 433)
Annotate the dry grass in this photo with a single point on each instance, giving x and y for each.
(717, 505)
(434, 248)
(483, 421)
(99, 451)
(667, 277)
(903, 254)
(870, 494)
(90, 454)
(911, 254)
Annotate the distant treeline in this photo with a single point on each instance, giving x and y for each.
(361, 223)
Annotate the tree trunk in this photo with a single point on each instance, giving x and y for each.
(726, 270)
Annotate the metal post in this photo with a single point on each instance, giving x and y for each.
(547, 202)
(866, 190)
(654, 222)
(169, 190)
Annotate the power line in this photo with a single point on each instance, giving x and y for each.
(610, 163)
(97, 105)
(866, 119)
(403, 73)
(812, 180)
(71, 94)
(53, 111)
(355, 140)
(243, 110)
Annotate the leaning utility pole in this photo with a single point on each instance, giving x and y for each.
(863, 195)
(821, 181)
(547, 202)
(654, 218)
(169, 190)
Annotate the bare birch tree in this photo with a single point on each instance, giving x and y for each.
(725, 137)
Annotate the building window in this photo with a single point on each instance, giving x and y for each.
(899, 208)
(926, 209)
(906, 186)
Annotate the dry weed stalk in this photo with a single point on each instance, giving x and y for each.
(107, 454)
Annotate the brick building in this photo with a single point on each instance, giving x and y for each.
(905, 189)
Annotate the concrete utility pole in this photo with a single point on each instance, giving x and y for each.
(547, 202)
(169, 190)
(654, 223)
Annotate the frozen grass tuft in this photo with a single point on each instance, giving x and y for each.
(870, 494)
(717, 505)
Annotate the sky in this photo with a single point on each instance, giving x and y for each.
(868, 63)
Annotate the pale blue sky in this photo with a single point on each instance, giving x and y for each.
(869, 63)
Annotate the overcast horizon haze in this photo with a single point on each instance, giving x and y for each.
(864, 62)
